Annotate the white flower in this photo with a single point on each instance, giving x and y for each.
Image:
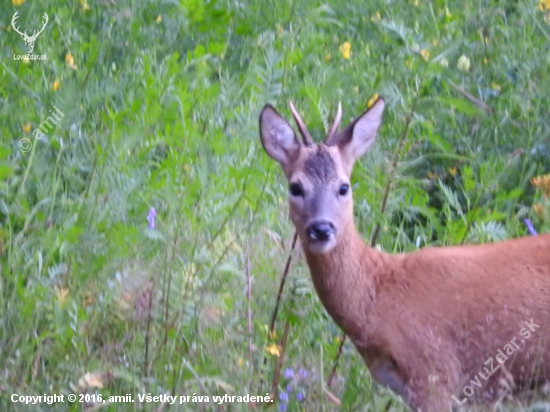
(463, 63)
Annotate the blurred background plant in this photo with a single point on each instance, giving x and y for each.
(143, 234)
(541, 205)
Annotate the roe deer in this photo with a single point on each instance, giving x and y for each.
(430, 323)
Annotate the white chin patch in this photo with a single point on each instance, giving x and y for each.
(321, 247)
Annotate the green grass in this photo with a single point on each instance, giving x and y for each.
(161, 109)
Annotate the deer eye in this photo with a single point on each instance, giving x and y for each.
(343, 189)
(296, 189)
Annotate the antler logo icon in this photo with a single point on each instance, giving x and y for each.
(29, 40)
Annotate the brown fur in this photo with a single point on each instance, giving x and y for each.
(425, 322)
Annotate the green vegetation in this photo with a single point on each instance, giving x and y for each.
(160, 102)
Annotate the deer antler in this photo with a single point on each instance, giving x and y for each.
(36, 33)
(306, 137)
(24, 34)
(336, 123)
(13, 19)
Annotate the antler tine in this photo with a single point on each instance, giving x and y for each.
(37, 32)
(306, 137)
(13, 23)
(336, 123)
(46, 20)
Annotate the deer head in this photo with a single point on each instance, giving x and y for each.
(29, 40)
(321, 205)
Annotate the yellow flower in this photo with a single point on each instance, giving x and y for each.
(273, 349)
(485, 60)
(463, 63)
(26, 59)
(159, 18)
(345, 49)
(495, 86)
(85, 5)
(240, 362)
(17, 2)
(542, 183)
(452, 171)
(56, 85)
(372, 100)
(327, 57)
(426, 54)
(69, 59)
(409, 63)
(91, 380)
(543, 5)
(27, 128)
(61, 293)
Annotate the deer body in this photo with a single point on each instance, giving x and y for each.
(426, 323)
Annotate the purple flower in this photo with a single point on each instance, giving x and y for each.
(300, 396)
(288, 388)
(530, 227)
(302, 372)
(282, 407)
(151, 218)
(283, 396)
(289, 373)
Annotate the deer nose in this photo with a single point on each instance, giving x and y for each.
(321, 230)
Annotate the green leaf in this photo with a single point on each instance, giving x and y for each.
(5, 172)
(462, 105)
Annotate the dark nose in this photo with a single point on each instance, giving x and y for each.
(321, 230)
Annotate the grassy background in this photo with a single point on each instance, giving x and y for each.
(161, 101)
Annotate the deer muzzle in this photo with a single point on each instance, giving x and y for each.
(320, 231)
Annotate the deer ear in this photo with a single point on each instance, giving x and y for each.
(358, 136)
(278, 137)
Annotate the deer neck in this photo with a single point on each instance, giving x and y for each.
(345, 280)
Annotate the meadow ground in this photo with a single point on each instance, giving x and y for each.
(143, 230)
